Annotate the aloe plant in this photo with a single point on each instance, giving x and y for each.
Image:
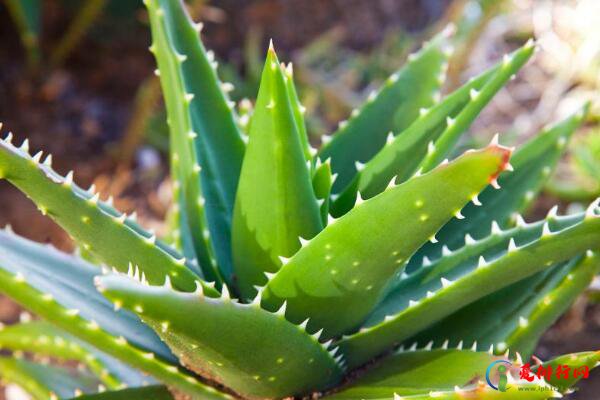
(371, 268)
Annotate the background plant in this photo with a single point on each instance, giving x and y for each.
(27, 16)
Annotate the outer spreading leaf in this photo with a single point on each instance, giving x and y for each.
(515, 391)
(399, 158)
(106, 233)
(69, 282)
(532, 165)
(150, 392)
(348, 265)
(217, 140)
(449, 138)
(256, 353)
(522, 311)
(44, 382)
(581, 362)
(275, 203)
(455, 264)
(437, 374)
(504, 303)
(524, 329)
(43, 339)
(520, 261)
(393, 108)
(61, 290)
(418, 372)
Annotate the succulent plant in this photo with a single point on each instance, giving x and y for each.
(371, 268)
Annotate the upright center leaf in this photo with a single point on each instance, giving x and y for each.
(275, 203)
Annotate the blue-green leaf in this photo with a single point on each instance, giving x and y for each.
(44, 382)
(392, 109)
(256, 353)
(217, 141)
(532, 165)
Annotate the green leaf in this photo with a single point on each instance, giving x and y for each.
(439, 374)
(44, 382)
(69, 281)
(256, 353)
(218, 143)
(515, 391)
(111, 236)
(448, 139)
(298, 112)
(401, 155)
(523, 330)
(519, 261)
(275, 203)
(43, 339)
(349, 264)
(504, 303)
(521, 312)
(59, 291)
(393, 108)
(532, 165)
(589, 359)
(455, 264)
(417, 372)
(189, 208)
(155, 392)
(322, 181)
